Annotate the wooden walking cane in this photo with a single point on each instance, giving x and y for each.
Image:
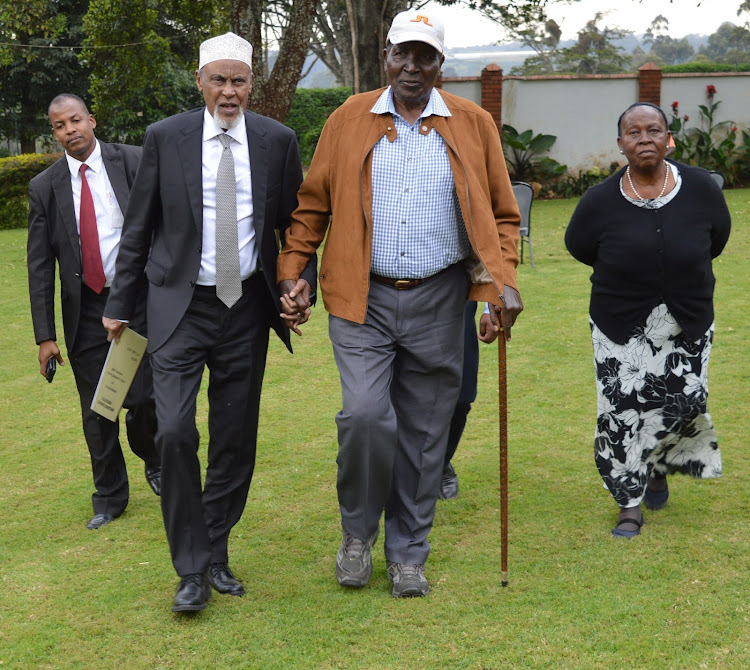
(502, 387)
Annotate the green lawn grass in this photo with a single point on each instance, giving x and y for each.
(676, 597)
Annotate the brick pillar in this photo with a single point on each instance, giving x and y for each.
(649, 83)
(492, 93)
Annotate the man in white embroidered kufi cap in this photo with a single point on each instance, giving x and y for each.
(225, 58)
(226, 47)
(214, 191)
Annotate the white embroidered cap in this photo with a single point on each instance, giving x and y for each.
(225, 47)
(416, 26)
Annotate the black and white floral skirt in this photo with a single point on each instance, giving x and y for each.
(652, 407)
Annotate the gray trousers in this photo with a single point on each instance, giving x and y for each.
(400, 379)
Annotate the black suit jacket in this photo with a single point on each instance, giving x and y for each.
(53, 236)
(164, 223)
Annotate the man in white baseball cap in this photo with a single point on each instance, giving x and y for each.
(214, 190)
(423, 214)
(414, 26)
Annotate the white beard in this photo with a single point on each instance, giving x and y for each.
(223, 123)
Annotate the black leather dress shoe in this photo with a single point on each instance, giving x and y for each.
(192, 594)
(224, 581)
(99, 520)
(153, 477)
(448, 484)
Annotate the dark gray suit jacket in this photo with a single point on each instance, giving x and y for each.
(53, 236)
(163, 228)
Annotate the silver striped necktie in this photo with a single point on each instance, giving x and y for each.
(228, 281)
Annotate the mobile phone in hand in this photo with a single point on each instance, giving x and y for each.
(51, 368)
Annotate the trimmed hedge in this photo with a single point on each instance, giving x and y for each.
(15, 174)
(310, 109)
(705, 67)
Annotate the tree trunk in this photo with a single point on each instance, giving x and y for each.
(354, 45)
(274, 96)
(27, 133)
(372, 20)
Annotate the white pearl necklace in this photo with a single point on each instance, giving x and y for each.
(663, 188)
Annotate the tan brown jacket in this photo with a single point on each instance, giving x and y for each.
(338, 188)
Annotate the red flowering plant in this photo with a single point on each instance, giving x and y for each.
(713, 144)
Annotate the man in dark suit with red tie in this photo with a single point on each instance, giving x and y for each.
(76, 209)
(214, 193)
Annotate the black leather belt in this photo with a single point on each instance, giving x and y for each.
(211, 290)
(403, 284)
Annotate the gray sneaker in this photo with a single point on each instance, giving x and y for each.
(408, 580)
(354, 560)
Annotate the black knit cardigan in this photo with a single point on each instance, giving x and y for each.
(643, 257)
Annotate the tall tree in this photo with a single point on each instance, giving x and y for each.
(290, 23)
(729, 44)
(350, 34)
(594, 52)
(663, 47)
(37, 61)
(142, 55)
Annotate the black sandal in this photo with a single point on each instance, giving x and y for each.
(628, 534)
(656, 500)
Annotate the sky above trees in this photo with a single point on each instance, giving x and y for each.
(467, 28)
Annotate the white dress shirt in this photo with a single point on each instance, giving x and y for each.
(211, 154)
(109, 216)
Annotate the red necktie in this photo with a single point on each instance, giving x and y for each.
(93, 271)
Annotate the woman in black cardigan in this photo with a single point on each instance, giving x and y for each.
(650, 232)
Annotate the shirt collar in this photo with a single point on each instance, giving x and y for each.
(211, 129)
(435, 105)
(94, 161)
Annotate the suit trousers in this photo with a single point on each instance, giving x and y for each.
(400, 378)
(233, 344)
(470, 372)
(102, 435)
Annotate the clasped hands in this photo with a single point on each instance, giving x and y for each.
(295, 303)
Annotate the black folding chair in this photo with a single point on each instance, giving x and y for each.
(524, 195)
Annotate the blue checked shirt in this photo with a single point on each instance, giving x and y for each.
(417, 227)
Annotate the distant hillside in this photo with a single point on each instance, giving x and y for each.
(469, 61)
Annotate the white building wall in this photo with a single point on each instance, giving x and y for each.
(732, 92)
(583, 112)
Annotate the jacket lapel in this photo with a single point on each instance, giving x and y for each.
(63, 191)
(190, 151)
(115, 166)
(258, 148)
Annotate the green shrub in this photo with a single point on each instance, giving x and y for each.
(714, 145)
(705, 67)
(15, 174)
(571, 186)
(310, 109)
(523, 156)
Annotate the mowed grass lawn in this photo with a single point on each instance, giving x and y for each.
(676, 597)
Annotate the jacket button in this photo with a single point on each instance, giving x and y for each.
(192, 284)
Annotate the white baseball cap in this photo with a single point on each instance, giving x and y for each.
(417, 26)
(226, 47)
